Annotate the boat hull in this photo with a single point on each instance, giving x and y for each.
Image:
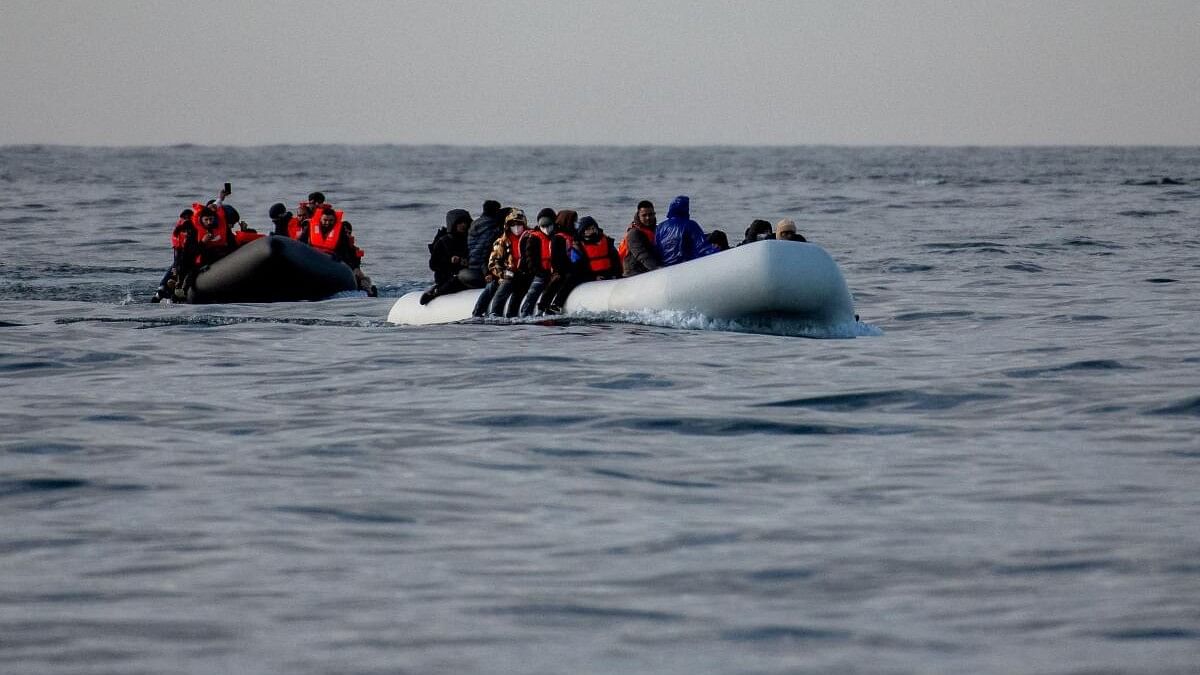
(272, 269)
(764, 280)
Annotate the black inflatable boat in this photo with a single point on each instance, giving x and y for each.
(272, 269)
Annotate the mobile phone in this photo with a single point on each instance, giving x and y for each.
(228, 188)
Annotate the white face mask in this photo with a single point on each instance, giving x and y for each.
(516, 229)
(546, 228)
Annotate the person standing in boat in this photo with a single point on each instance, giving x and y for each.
(679, 238)
(637, 248)
(504, 265)
(785, 230)
(448, 255)
(330, 233)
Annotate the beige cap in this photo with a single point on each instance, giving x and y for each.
(785, 225)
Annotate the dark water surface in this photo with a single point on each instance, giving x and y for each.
(1000, 476)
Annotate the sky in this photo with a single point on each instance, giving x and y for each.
(621, 72)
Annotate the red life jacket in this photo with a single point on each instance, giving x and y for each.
(623, 249)
(293, 228)
(177, 235)
(245, 237)
(544, 243)
(219, 233)
(598, 259)
(322, 242)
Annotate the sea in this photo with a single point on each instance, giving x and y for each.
(996, 471)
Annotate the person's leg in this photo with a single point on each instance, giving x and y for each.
(520, 288)
(503, 291)
(532, 295)
(485, 299)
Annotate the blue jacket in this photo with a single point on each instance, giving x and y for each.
(679, 238)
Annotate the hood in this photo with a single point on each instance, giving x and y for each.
(680, 208)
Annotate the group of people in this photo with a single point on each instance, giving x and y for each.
(205, 233)
(529, 269)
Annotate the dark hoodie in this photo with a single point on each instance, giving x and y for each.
(447, 245)
(679, 238)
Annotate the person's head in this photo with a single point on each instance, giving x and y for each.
(758, 230)
(589, 230)
(545, 219)
(328, 218)
(278, 212)
(681, 207)
(565, 221)
(786, 230)
(491, 208)
(457, 221)
(304, 209)
(185, 215)
(207, 217)
(515, 221)
(316, 198)
(717, 238)
(645, 215)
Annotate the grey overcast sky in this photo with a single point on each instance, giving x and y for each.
(945, 72)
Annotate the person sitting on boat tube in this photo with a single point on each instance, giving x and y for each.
(597, 260)
(480, 236)
(785, 230)
(563, 258)
(330, 233)
(637, 248)
(504, 265)
(535, 260)
(448, 255)
(679, 238)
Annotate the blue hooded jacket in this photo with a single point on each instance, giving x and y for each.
(679, 238)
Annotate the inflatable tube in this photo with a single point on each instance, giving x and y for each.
(765, 280)
(272, 269)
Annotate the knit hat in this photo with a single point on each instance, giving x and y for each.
(516, 215)
(785, 225)
(277, 211)
(456, 216)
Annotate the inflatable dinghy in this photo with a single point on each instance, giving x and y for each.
(766, 280)
(272, 269)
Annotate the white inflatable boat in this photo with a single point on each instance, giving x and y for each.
(764, 281)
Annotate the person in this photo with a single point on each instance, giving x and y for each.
(504, 265)
(448, 255)
(563, 256)
(166, 287)
(286, 223)
(535, 261)
(786, 230)
(202, 239)
(598, 259)
(758, 231)
(679, 238)
(482, 233)
(719, 239)
(329, 232)
(637, 248)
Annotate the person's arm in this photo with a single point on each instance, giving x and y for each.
(641, 250)
(700, 244)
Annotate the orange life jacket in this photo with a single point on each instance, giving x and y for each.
(598, 259)
(623, 249)
(325, 242)
(293, 228)
(177, 235)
